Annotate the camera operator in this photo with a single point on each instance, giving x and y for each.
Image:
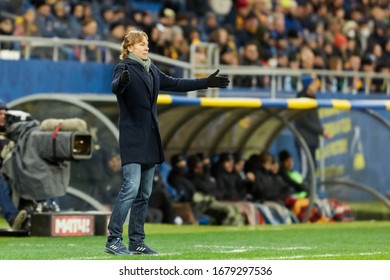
(14, 217)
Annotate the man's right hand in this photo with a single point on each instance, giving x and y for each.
(326, 134)
(125, 76)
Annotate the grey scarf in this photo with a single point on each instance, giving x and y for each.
(144, 63)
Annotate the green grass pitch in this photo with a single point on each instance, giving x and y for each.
(337, 241)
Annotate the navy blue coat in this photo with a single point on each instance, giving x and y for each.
(139, 135)
(309, 125)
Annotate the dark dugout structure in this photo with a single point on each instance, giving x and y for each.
(210, 126)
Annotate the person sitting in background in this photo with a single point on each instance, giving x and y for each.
(329, 208)
(292, 177)
(177, 178)
(160, 207)
(184, 187)
(245, 179)
(206, 198)
(113, 179)
(268, 191)
(230, 187)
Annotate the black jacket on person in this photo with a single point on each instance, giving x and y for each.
(269, 187)
(139, 136)
(180, 182)
(204, 183)
(228, 184)
(309, 125)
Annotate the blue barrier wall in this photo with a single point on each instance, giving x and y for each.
(357, 151)
(21, 78)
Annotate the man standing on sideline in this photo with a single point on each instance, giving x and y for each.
(136, 83)
(309, 125)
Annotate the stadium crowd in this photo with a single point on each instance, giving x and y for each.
(349, 35)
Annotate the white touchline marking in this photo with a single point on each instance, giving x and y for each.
(232, 251)
(256, 247)
(320, 256)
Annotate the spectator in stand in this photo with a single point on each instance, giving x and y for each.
(88, 12)
(208, 25)
(12, 7)
(291, 12)
(63, 27)
(147, 20)
(199, 7)
(106, 19)
(44, 19)
(250, 57)
(262, 9)
(278, 26)
(89, 33)
(62, 21)
(355, 84)
(227, 47)
(380, 84)
(319, 60)
(25, 24)
(167, 17)
(136, 17)
(350, 30)
(306, 56)
(243, 9)
(290, 83)
(77, 17)
(6, 29)
(294, 41)
(378, 35)
(377, 51)
(310, 19)
(368, 66)
(176, 47)
(249, 32)
(334, 84)
(116, 35)
(157, 38)
(385, 58)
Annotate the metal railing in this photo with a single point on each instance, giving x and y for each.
(194, 68)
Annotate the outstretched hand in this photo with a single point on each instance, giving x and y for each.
(125, 76)
(215, 81)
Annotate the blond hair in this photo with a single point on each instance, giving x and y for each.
(131, 38)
